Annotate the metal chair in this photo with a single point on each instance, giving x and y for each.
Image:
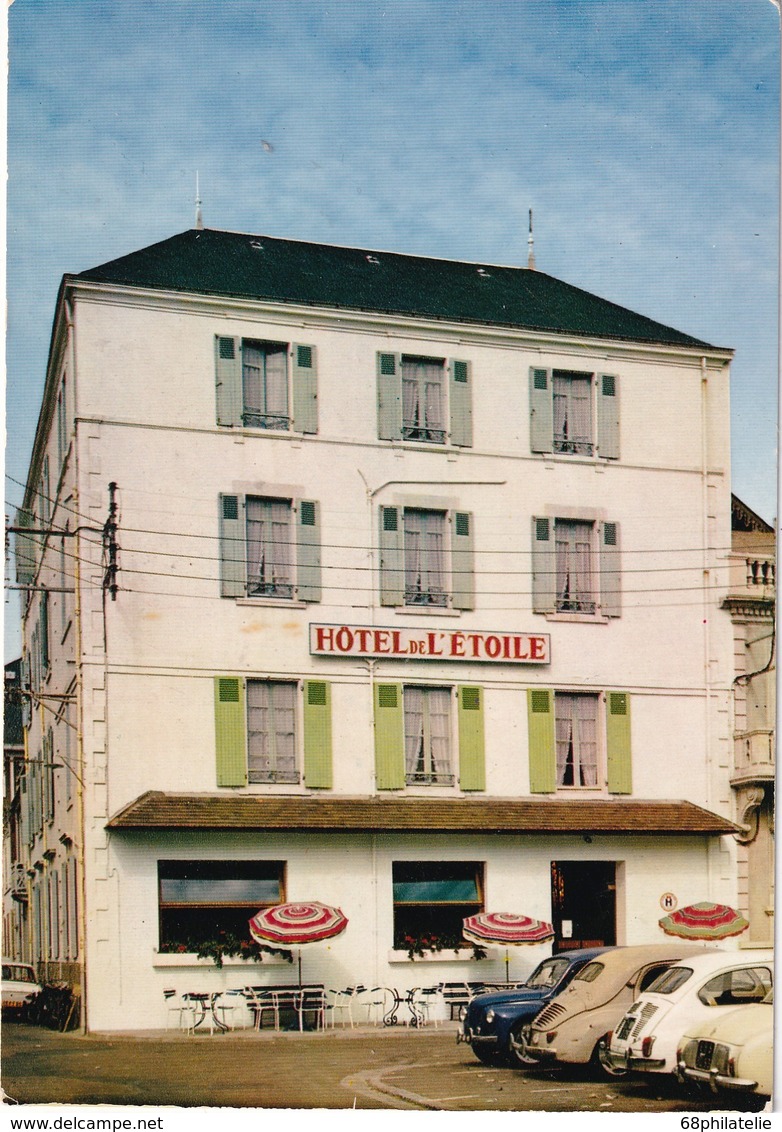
(313, 1003)
(180, 1007)
(373, 1000)
(260, 1004)
(423, 1005)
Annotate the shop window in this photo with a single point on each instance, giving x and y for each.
(431, 900)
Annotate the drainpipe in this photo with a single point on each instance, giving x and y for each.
(707, 601)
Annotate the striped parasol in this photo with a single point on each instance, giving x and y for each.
(297, 925)
(506, 929)
(704, 921)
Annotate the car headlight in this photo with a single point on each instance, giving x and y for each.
(490, 1016)
(720, 1060)
(462, 1013)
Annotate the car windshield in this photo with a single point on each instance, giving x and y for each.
(589, 973)
(18, 974)
(548, 973)
(670, 980)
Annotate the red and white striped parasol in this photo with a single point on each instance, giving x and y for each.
(506, 929)
(297, 925)
(704, 921)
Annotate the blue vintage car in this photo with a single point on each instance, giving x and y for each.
(494, 1023)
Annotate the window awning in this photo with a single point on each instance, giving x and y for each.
(156, 810)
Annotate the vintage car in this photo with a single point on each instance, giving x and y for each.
(691, 992)
(732, 1054)
(575, 1025)
(19, 986)
(494, 1024)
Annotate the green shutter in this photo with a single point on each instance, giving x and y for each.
(305, 389)
(25, 549)
(232, 544)
(618, 751)
(608, 416)
(389, 737)
(44, 639)
(317, 735)
(541, 410)
(472, 758)
(462, 565)
(228, 380)
(610, 570)
(544, 567)
(542, 746)
(392, 565)
(461, 403)
(229, 731)
(389, 396)
(308, 565)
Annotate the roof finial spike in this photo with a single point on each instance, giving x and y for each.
(199, 223)
(530, 246)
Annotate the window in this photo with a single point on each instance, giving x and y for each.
(735, 988)
(424, 399)
(574, 413)
(266, 385)
(272, 550)
(576, 567)
(573, 743)
(415, 739)
(426, 558)
(431, 900)
(203, 901)
(270, 731)
(428, 736)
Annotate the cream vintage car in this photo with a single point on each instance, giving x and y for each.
(576, 1025)
(732, 1054)
(697, 990)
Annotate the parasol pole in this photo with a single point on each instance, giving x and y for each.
(299, 968)
(507, 966)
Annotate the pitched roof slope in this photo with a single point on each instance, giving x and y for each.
(263, 267)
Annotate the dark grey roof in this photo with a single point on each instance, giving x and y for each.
(264, 267)
(157, 810)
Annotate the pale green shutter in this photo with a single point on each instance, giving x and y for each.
(542, 744)
(230, 731)
(44, 631)
(610, 570)
(317, 734)
(392, 566)
(232, 546)
(541, 410)
(618, 751)
(462, 566)
(544, 566)
(25, 546)
(389, 396)
(305, 389)
(472, 759)
(308, 567)
(389, 737)
(461, 403)
(608, 416)
(228, 380)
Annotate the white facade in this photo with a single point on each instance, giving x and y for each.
(138, 668)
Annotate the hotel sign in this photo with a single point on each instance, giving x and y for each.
(430, 644)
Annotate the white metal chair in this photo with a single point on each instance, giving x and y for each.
(312, 1004)
(180, 1008)
(426, 1003)
(261, 1004)
(373, 1001)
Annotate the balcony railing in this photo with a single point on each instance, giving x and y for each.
(753, 757)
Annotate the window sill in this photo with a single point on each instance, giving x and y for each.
(426, 611)
(579, 618)
(447, 955)
(190, 959)
(273, 602)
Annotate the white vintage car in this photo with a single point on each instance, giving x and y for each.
(693, 992)
(20, 985)
(733, 1053)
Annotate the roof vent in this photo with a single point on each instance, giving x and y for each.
(257, 245)
(484, 274)
(372, 259)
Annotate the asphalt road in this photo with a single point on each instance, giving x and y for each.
(362, 1069)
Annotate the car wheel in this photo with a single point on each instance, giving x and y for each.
(517, 1049)
(601, 1063)
(486, 1056)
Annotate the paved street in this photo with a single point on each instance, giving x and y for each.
(365, 1069)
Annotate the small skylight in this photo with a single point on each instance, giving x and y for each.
(257, 245)
(484, 274)
(372, 259)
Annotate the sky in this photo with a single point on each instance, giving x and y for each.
(642, 133)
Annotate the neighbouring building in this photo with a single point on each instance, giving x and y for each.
(367, 578)
(751, 602)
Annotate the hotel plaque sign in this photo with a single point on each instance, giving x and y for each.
(430, 644)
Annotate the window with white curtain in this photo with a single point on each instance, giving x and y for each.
(573, 412)
(428, 736)
(423, 399)
(575, 567)
(576, 738)
(269, 547)
(271, 731)
(424, 543)
(265, 381)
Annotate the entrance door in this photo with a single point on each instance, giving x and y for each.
(583, 904)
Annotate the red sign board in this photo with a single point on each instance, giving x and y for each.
(430, 644)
